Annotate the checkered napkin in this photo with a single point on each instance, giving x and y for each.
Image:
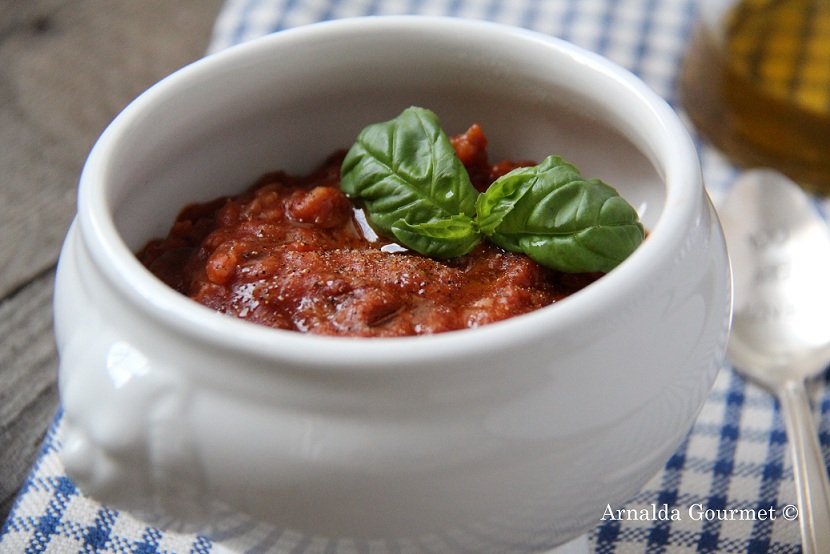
(735, 457)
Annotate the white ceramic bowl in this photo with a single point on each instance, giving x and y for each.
(511, 437)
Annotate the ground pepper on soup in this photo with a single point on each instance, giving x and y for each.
(296, 253)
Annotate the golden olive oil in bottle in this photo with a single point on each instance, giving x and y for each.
(757, 86)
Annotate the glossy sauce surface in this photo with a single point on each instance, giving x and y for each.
(295, 253)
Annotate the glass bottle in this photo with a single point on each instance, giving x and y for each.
(756, 84)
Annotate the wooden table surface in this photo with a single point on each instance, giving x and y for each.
(67, 67)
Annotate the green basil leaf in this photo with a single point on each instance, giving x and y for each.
(406, 173)
(503, 206)
(559, 219)
(444, 238)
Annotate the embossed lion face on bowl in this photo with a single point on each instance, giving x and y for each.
(519, 432)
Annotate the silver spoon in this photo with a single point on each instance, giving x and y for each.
(780, 251)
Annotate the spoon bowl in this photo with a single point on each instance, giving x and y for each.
(780, 250)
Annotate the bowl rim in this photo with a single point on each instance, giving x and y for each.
(679, 169)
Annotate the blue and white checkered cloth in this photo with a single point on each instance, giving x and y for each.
(735, 457)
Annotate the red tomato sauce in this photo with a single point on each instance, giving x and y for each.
(294, 253)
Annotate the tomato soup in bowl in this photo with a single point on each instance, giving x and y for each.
(509, 436)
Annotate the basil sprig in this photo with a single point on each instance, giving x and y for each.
(415, 189)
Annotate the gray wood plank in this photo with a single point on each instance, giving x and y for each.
(66, 69)
(28, 375)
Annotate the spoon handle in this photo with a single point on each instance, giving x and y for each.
(812, 487)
